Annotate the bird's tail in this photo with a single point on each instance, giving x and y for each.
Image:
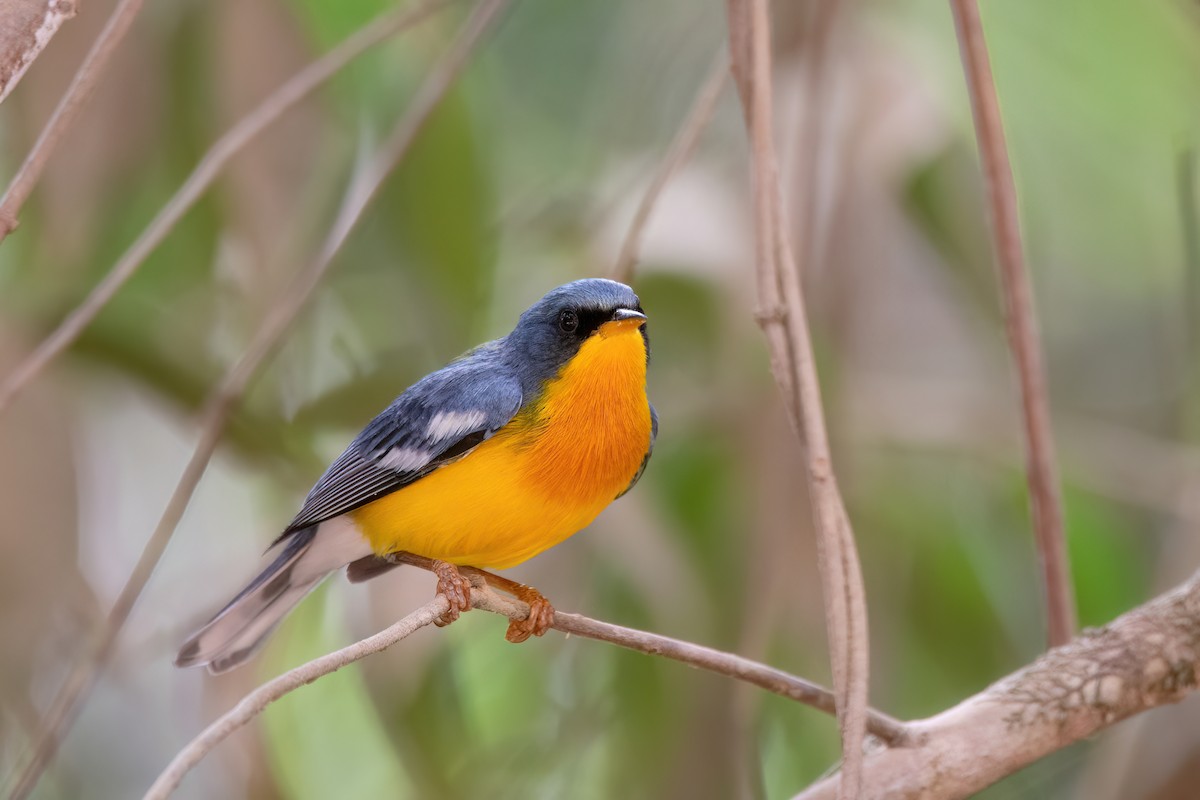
(238, 630)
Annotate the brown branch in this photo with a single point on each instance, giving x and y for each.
(222, 151)
(254, 703)
(1021, 322)
(785, 324)
(1123, 464)
(362, 189)
(483, 597)
(1148, 657)
(68, 108)
(686, 138)
(890, 730)
(28, 27)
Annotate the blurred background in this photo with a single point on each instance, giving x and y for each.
(527, 177)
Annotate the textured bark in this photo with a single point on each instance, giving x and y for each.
(26, 27)
(1144, 659)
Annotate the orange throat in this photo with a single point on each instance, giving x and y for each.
(591, 429)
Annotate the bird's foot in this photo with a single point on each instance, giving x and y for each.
(452, 585)
(541, 615)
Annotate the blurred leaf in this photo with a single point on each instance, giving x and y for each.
(694, 478)
(685, 329)
(944, 199)
(326, 740)
(1110, 563)
(332, 22)
(436, 214)
(798, 745)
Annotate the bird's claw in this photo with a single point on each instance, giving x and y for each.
(541, 615)
(455, 587)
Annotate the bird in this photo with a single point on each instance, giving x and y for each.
(503, 453)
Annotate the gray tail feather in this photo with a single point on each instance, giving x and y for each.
(239, 629)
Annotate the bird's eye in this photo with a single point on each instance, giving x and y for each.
(568, 320)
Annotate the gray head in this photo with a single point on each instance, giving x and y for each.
(553, 329)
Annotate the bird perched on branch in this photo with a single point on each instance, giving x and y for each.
(503, 453)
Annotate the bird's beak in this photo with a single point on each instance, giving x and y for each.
(627, 318)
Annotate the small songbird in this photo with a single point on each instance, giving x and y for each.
(503, 453)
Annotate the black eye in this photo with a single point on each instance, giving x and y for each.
(568, 320)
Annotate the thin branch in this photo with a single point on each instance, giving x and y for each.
(483, 597)
(1021, 322)
(890, 730)
(72, 101)
(221, 153)
(1148, 657)
(1189, 223)
(362, 189)
(1123, 464)
(686, 138)
(254, 703)
(785, 324)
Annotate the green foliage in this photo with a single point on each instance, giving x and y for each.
(524, 178)
(327, 740)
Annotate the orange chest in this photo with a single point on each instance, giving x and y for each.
(541, 478)
(586, 437)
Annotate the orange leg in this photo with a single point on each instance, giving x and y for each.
(541, 613)
(451, 583)
(455, 588)
(454, 584)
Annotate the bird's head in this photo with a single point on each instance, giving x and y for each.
(554, 329)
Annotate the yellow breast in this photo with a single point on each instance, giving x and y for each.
(541, 478)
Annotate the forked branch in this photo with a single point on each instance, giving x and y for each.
(1145, 658)
(784, 321)
(483, 597)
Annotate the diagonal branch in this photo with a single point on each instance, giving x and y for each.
(256, 702)
(784, 321)
(68, 108)
(483, 597)
(1021, 322)
(362, 189)
(1145, 658)
(222, 151)
(686, 138)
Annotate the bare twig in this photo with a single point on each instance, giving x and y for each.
(485, 598)
(888, 729)
(785, 324)
(677, 154)
(1189, 223)
(362, 189)
(1021, 322)
(72, 101)
(222, 151)
(1146, 658)
(254, 703)
(1126, 465)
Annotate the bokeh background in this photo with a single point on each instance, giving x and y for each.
(527, 177)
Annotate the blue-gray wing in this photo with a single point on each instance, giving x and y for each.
(649, 451)
(436, 421)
